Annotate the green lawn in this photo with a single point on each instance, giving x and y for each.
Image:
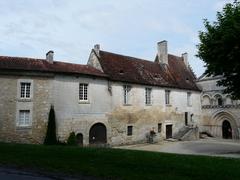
(116, 163)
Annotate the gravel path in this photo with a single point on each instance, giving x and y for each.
(211, 147)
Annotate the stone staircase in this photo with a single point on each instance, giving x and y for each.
(187, 133)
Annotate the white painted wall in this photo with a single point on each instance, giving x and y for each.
(74, 116)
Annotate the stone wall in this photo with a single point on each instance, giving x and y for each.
(214, 114)
(10, 104)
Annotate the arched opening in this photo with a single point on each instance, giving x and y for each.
(79, 138)
(226, 130)
(220, 101)
(98, 134)
(206, 100)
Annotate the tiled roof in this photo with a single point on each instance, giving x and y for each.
(41, 65)
(134, 70)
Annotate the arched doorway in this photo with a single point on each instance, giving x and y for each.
(226, 130)
(79, 138)
(98, 134)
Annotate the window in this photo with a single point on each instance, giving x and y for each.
(186, 118)
(220, 101)
(189, 103)
(24, 118)
(167, 97)
(25, 90)
(126, 89)
(159, 127)
(83, 92)
(148, 92)
(129, 130)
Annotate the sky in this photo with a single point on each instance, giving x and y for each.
(30, 28)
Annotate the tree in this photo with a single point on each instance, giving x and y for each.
(51, 138)
(219, 48)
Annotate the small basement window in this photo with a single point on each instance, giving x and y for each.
(129, 130)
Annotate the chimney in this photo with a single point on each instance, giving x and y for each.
(97, 49)
(162, 52)
(49, 56)
(185, 58)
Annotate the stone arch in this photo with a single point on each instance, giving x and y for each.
(98, 134)
(206, 100)
(218, 118)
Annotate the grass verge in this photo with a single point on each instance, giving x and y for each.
(117, 163)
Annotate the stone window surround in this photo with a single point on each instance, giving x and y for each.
(25, 108)
(19, 89)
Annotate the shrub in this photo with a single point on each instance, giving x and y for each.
(72, 140)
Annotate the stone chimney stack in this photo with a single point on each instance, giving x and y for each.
(185, 58)
(49, 56)
(97, 49)
(162, 52)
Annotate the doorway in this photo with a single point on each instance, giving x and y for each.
(79, 138)
(98, 134)
(168, 131)
(226, 130)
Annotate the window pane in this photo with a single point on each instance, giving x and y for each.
(167, 97)
(22, 90)
(148, 95)
(83, 91)
(129, 130)
(28, 90)
(24, 118)
(126, 90)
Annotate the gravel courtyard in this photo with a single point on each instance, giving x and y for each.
(212, 147)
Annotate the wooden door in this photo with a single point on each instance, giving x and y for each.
(168, 131)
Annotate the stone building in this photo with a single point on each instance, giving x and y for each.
(114, 99)
(221, 114)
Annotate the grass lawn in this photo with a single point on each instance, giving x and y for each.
(120, 164)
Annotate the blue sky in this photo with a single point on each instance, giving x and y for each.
(30, 28)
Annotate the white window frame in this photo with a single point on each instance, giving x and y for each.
(83, 93)
(167, 97)
(126, 94)
(26, 121)
(25, 90)
(148, 96)
(19, 91)
(189, 99)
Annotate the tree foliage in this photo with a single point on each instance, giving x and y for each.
(219, 48)
(51, 138)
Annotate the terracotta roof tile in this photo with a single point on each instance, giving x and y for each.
(134, 70)
(41, 65)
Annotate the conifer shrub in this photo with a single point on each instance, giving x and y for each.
(51, 138)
